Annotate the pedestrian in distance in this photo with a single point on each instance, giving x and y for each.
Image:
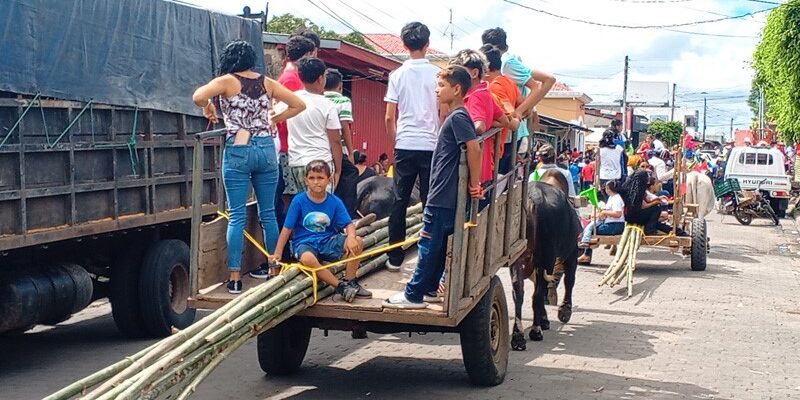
(316, 133)
(440, 212)
(249, 158)
(348, 179)
(314, 223)
(411, 95)
(364, 171)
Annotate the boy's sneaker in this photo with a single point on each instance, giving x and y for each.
(392, 267)
(432, 297)
(234, 287)
(262, 272)
(362, 293)
(347, 291)
(399, 300)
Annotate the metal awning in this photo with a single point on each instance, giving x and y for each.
(551, 122)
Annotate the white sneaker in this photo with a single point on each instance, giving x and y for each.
(399, 300)
(392, 267)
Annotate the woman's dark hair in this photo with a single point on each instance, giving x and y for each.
(633, 190)
(308, 34)
(332, 78)
(383, 157)
(237, 56)
(608, 140)
(613, 185)
(318, 166)
(310, 69)
(415, 35)
(495, 36)
(297, 47)
(360, 158)
(493, 55)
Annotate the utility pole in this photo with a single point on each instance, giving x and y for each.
(731, 128)
(672, 114)
(625, 101)
(705, 112)
(760, 113)
(452, 31)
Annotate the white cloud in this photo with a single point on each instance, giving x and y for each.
(717, 65)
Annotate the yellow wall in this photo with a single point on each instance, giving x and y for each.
(563, 109)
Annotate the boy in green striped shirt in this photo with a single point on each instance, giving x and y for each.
(346, 188)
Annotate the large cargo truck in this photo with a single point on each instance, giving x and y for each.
(96, 125)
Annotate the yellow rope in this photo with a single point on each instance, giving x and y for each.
(311, 272)
(639, 228)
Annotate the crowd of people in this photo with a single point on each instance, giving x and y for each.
(290, 139)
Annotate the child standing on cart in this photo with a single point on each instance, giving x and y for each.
(314, 223)
(440, 211)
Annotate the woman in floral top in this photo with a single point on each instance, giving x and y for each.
(245, 99)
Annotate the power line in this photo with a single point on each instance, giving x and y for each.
(637, 26)
(711, 34)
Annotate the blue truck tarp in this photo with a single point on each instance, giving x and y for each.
(147, 53)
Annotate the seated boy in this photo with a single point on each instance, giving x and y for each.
(314, 222)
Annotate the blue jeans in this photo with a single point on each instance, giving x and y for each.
(243, 165)
(438, 225)
(604, 229)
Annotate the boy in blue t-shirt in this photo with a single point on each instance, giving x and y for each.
(314, 223)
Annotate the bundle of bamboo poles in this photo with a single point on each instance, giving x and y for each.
(625, 260)
(176, 365)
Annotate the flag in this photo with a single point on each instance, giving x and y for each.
(591, 195)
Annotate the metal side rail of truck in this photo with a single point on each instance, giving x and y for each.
(474, 303)
(96, 156)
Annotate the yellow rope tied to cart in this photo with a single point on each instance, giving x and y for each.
(311, 272)
(641, 231)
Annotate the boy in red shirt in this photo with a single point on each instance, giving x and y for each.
(587, 175)
(480, 104)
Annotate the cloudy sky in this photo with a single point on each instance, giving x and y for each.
(708, 57)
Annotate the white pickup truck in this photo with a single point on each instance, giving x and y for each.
(751, 165)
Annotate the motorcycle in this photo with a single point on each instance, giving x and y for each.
(748, 204)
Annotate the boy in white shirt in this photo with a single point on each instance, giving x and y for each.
(411, 95)
(314, 134)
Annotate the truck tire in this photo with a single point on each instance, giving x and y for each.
(485, 338)
(164, 288)
(779, 206)
(699, 245)
(281, 350)
(124, 293)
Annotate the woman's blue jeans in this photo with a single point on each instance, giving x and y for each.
(242, 166)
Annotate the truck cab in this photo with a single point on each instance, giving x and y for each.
(751, 165)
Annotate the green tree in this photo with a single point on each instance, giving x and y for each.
(776, 61)
(288, 23)
(670, 131)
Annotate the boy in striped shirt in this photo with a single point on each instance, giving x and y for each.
(346, 188)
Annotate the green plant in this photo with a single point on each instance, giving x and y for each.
(288, 23)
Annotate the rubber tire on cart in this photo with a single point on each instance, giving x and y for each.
(742, 217)
(281, 350)
(699, 244)
(164, 288)
(485, 338)
(124, 293)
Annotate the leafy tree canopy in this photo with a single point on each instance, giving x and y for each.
(288, 23)
(670, 131)
(776, 61)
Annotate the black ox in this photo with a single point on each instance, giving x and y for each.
(376, 196)
(552, 227)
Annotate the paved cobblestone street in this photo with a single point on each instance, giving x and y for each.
(730, 332)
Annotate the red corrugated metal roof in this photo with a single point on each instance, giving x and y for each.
(368, 125)
(389, 43)
(561, 87)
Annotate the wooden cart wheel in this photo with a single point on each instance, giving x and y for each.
(699, 244)
(281, 350)
(484, 338)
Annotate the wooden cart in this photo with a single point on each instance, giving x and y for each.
(684, 215)
(474, 303)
